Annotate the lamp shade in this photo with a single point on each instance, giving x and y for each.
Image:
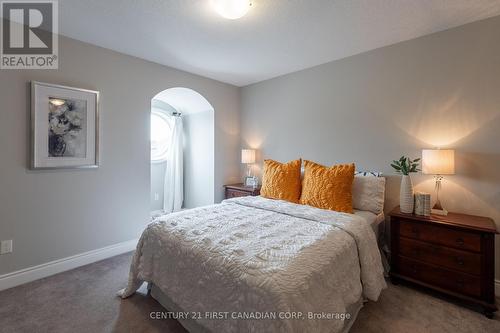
(247, 156)
(438, 161)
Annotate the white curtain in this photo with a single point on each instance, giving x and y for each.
(174, 178)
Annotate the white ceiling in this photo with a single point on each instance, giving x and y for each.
(276, 36)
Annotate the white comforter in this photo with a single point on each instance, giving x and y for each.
(259, 256)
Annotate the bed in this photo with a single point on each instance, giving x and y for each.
(375, 221)
(252, 264)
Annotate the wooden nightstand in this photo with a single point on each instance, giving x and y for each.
(452, 254)
(240, 190)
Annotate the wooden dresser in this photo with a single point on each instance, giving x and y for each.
(240, 190)
(452, 254)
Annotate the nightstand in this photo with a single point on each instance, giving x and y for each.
(240, 190)
(452, 254)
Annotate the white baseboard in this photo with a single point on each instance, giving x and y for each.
(29, 274)
(497, 288)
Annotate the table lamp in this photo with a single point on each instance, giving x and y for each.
(438, 162)
(248, 158)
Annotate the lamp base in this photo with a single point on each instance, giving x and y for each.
(438, 209)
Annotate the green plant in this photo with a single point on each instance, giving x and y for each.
(405, 165)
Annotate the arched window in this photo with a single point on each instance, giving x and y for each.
(161, 133)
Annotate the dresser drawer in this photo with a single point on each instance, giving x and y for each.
(463, 261)
(234, 194)
(441, 235)
(452, 254)
(453, 281)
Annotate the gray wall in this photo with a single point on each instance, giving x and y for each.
(198, 159)
(441, 89)
(56, 214)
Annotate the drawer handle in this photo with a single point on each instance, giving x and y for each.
(414, 269)
(414, 230)
(460, 261)
(460, 282)
(416, 252)
(460, 241)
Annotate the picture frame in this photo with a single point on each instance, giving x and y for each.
(64, 127)
(251, 181)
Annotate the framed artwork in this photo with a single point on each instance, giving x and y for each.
(64, 127)
(251, 181)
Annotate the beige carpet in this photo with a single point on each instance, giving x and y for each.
(83, 300)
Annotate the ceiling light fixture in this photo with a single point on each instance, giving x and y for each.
(231, 9)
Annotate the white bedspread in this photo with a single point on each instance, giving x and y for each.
(255, 255)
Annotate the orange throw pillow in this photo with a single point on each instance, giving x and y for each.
(281, 180)
(328, 188)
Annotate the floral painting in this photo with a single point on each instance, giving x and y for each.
(64, 127)
(67, 132)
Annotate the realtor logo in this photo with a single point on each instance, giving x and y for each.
(29, 37)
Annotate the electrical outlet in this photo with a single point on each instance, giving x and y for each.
(6, 246)
(157, 197)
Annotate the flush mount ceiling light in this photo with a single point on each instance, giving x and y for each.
(231, 9)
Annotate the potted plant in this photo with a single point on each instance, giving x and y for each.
(405, 166)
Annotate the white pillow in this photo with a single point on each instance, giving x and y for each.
(368, 192)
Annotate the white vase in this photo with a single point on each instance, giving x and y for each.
(406, 200)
